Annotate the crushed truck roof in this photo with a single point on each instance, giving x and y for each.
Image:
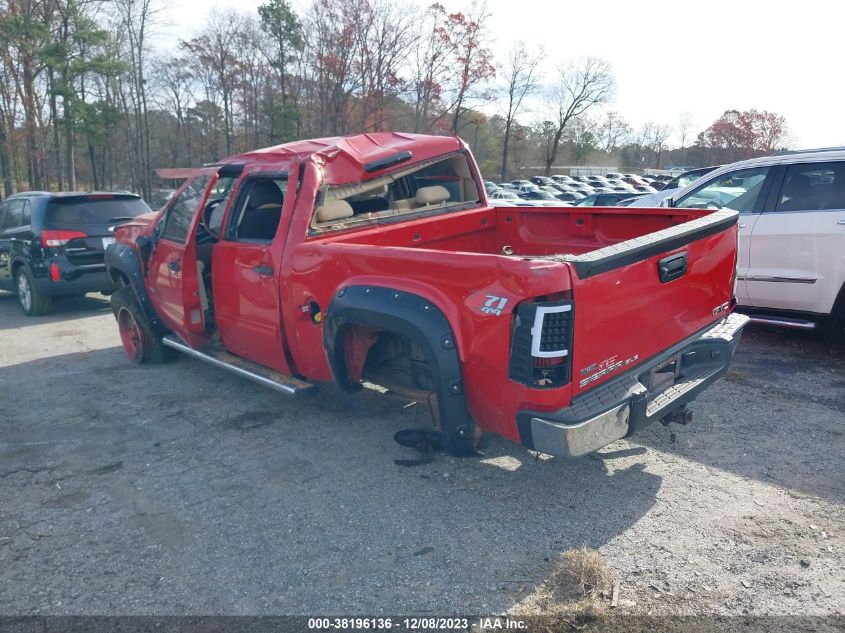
(346, 158)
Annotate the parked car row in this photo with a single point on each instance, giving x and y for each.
(568, 190)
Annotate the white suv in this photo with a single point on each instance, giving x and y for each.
(791, 257)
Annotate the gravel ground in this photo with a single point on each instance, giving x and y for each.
(182, 489)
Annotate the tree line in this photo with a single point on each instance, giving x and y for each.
(89, 99)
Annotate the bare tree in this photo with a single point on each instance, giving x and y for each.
(660, 134)
(135, 18)
(383, 54)
(613, 131)
(432, 67)
(474, 60)
(172, 79)
(522, 79)
(216, 48)
(580, 86)
(336, 31)
(685, 124)
(651, 141)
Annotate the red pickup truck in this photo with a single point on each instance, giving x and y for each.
(376, 260)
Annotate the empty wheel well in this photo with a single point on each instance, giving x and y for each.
(395, 360)
(387, 335)
(394, 363)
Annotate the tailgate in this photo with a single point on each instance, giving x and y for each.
(639, 297)
(90, 250)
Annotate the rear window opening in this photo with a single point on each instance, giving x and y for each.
(95, 210)
(427, 187)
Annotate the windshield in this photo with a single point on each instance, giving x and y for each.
(737, 190)
(93, 210)
(682, 180)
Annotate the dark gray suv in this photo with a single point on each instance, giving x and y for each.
(53, 244)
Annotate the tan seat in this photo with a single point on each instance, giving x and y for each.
(334, 210)
(403, 204)
(432, 195)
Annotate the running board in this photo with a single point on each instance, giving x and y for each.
(219, 357)
(784, 322)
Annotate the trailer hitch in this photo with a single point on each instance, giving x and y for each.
(681, 415)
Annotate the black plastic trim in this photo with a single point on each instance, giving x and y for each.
(422, 323)
(389, 161)
(641, 248)
(123, 258)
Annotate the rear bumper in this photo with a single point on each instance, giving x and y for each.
(620, 407)
(73, 279)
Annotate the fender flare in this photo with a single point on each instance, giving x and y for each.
(123, 259)
(423, 323)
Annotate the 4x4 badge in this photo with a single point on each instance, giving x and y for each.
(494, 305)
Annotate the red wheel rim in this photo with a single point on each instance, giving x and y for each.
(130, 335)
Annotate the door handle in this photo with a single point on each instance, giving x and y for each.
(840, 221)
(672, 267)
(264, 271)
(174, 267)
(741, 225)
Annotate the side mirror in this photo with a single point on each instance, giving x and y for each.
(668, 202)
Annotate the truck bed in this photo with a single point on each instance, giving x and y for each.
(579, 234)
(614, 258)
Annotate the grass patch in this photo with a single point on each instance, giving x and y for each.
(576, 594)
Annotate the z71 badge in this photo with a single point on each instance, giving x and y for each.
(494, 305)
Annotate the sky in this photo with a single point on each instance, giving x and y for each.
(668, 57)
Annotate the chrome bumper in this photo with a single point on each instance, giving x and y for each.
(589, 423)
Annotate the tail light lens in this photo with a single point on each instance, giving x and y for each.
(53, 239)
(541, 344)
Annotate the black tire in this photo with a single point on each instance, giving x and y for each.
(140, 341)
(835, 326)
(32, 302)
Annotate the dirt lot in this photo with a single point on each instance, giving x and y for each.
(181, 489)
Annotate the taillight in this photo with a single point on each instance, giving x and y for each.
(52, 239)
(541, 345)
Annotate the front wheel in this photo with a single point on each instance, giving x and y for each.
(140, 342)
(32, 302)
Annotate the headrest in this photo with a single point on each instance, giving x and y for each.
(265, 192)
(334, 210)
(432, 195)
(798, 186)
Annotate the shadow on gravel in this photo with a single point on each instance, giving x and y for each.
(778, 415)
(181, 489)
(62, 309)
